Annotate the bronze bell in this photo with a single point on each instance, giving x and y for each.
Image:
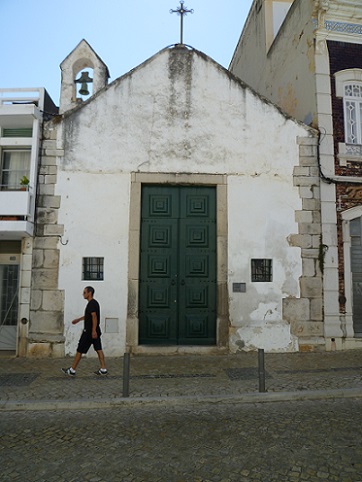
(84, 80)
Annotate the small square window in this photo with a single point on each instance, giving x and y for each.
(261, 270)
(93, 269)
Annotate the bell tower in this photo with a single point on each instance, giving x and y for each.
(81, 70)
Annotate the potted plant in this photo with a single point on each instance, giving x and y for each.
(24, 183)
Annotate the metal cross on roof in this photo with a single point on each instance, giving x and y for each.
(181, 10)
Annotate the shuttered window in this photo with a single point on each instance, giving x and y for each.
(18, 132)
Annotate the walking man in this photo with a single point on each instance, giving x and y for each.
(91, 334)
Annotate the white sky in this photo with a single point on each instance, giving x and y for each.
(37, 35)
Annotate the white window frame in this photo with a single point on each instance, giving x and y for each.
(352, 104)
(22, 172)
(349, 88)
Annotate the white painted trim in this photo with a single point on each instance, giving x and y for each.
(332, 325)
(344, 76)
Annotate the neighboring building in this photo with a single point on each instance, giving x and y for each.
(189, 202)
(306, 56)
(21, 118)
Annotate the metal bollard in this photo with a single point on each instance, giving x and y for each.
(126, 371)
(261, 370)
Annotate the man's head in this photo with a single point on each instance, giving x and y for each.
(88, 293)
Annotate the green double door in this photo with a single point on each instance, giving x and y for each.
(177, 289)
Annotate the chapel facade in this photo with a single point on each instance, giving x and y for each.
(189, 202)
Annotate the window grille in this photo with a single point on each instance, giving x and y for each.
(261, 270)
(353, 113)
(93, 269)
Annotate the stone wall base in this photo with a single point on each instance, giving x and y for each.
(334, 344)
(312, 344)
(46, 349)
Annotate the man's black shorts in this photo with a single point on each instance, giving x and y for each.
(86, 341)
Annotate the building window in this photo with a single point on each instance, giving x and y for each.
(261, 270)
(352, 100)
(355, 230)
(17, 132)
(15, 164)
(93, 269)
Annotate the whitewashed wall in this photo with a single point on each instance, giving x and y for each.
(96, 219)
(180, 112)
(259, 228)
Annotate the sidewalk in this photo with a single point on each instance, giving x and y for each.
(39, 384)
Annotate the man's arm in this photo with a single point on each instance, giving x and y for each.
(77, 320)
(94, 325)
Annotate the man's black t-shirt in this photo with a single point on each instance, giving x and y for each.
(92, 307)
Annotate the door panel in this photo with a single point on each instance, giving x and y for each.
(178, 265)
(197, 255)
(158, 266)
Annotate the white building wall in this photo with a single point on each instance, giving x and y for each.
(96, 225)
(259, 228)
(284, 70)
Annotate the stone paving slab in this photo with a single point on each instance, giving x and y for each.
(30, 383)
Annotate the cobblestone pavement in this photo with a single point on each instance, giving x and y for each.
(310, 441)
(27, 381)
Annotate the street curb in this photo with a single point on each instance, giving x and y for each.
(55, 405)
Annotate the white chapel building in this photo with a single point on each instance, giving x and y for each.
(189, 203)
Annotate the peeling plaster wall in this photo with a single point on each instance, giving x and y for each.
(261, 230)
(180, 112)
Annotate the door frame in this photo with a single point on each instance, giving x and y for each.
(222, 318)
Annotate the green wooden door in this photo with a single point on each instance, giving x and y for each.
(178, 266)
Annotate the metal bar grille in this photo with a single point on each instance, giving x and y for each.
(261, 270)
(93, 269)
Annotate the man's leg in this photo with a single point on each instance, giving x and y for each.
(77, 359)
(101, 359)
(71, 370)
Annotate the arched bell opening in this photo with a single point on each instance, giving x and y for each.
(83, 75)
(84, 84)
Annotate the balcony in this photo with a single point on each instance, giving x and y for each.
(21, 111)
(20, 103)
(14, 212)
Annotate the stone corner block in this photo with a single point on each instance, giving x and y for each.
(311, 287)
(296, 309)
